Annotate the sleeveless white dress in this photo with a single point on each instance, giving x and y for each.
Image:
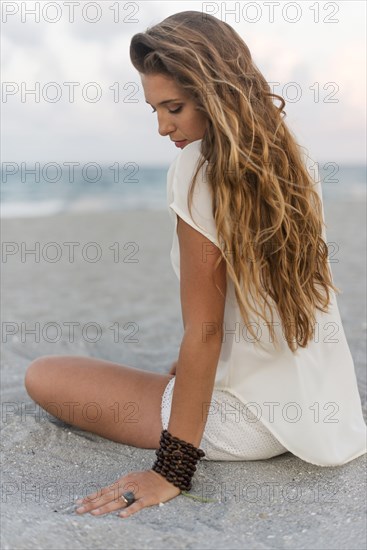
(268, 400)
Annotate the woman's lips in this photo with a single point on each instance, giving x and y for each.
(180, 143)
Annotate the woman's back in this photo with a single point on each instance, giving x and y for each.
(308, 399)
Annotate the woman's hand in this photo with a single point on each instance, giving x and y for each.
(173, 368)
(148, 486)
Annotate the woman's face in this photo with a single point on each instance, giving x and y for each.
(178, 117)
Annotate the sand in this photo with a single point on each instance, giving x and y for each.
(283, 502)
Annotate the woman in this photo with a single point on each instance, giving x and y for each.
(248, 241)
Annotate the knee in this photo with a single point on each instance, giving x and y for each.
(35, 374)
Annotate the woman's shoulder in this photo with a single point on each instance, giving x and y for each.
(183, 166)
(192, 148)
(189, 155)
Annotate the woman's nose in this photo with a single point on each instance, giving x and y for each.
(165, 126)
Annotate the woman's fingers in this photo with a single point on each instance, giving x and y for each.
(149, 488)
(133, 508)
(115, 504)
(107, 496)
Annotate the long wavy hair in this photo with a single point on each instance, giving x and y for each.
(267, 213)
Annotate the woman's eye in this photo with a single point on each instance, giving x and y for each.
(176, 111)
(172, 112)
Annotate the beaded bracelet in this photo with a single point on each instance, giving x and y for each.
(176, 460)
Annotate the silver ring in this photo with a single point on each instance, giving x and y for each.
(128, 498)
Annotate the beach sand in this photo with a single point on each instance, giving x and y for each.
(283, 502)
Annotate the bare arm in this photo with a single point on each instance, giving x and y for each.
(202, 311)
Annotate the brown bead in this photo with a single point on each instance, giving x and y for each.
(176, 460)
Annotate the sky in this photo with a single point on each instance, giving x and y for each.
(313, 53)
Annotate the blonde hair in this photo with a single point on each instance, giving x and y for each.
(264, 202)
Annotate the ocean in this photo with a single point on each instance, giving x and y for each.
(45, 191)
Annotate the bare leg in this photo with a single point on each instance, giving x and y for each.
(115, 401)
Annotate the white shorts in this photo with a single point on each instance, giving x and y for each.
(229, 433)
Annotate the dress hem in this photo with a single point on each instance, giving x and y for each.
(286, 445)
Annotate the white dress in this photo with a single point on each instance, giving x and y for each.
(305, 402)
(232, 431)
